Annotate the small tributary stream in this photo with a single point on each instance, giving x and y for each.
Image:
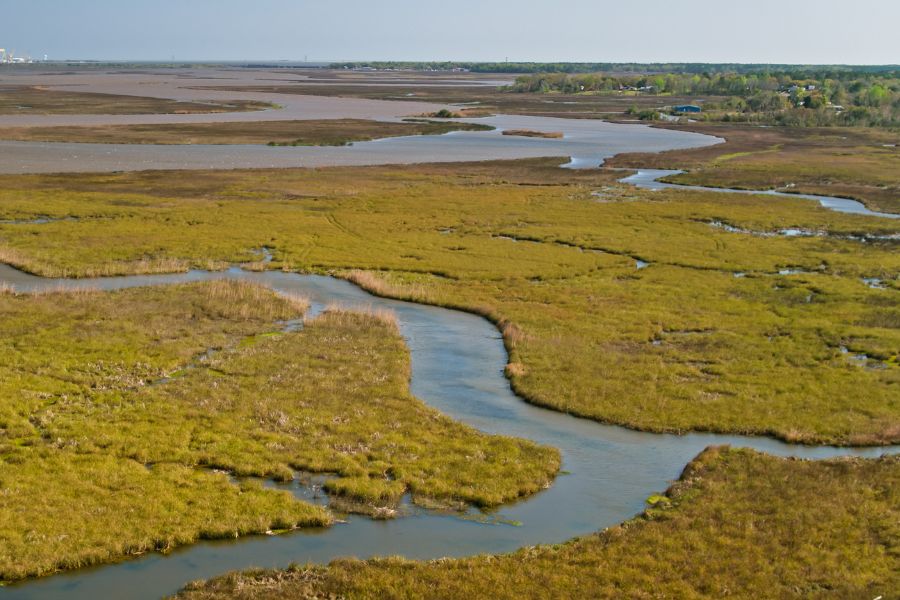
(650, 179)
(457, 367)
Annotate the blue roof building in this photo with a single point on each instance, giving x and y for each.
(687, 108)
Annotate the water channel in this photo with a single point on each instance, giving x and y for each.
(457, 367)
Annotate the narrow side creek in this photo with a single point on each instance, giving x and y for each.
(650, 179)
(457, 367)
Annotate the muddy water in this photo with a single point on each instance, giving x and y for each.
(186, 85)
(588, 142)
(457, 367)
(648, 179)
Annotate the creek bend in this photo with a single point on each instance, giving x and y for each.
(457, 367)
(649, 179)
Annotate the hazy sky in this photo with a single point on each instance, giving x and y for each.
(762, 31)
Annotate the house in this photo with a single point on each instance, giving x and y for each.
(687, 108)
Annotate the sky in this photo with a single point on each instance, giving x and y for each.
(759, 31)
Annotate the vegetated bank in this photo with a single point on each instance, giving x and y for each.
(143, 404)
(16, 100)
(794, 97)
(723, 331)
(858, 163)
(332, 132)
(736, 524)
(532, 133)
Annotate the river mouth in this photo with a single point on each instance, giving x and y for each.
(457, 367)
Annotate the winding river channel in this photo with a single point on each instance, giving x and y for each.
(457, 367)
(457, 358)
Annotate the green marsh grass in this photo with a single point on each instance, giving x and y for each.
(118, 430)
(859, 163)
(708, 337)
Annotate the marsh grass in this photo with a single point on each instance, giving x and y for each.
(526, 245)
(40, 100)
(736, 524)
(112, 430)
(244, 300)
(330, 132)
(532, 133)
(859, 163)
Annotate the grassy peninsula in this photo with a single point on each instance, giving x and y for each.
(324, 132)
(125, 415)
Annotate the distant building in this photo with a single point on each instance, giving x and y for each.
(687, 108)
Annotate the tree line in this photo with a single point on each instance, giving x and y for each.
(818, 71)
(788, 98)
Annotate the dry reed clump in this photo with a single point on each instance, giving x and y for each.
(337, 314)
(6, 288)
(147, 266)
(61, 289)
(374, 284)
(14, 258)
(245, 300)
(512, 333)
(144, 266)
(515, 369)
(257, 266)
(300, 302)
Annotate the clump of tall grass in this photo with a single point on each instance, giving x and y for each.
(15, 258)
(244, 299)
(299, 302)
(360, 317)
(374, 284)
(62, 289)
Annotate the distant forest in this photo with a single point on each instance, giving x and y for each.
(797, 98)
(822, 71)
(795, 95)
